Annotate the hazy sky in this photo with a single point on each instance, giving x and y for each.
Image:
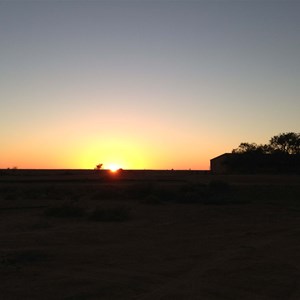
(144, 84)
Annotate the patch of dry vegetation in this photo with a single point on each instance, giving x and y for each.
(110, 214)
(64, 211)
(149, 240)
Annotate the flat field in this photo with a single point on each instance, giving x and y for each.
(148, 235)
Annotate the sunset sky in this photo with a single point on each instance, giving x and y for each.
(144, 84)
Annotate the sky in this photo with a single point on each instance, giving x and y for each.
(144, 84)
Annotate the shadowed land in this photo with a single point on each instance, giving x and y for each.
(149, 235)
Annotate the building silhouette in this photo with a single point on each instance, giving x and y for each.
(252, 163)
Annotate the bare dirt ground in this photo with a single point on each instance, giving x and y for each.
(248, 248)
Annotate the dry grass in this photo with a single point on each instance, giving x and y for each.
(199, 238)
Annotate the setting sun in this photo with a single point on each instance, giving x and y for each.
(113, 167)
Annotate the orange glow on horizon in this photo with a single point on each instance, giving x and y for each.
(114, 168)
(114, 152)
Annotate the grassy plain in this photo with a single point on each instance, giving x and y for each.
(85, 235)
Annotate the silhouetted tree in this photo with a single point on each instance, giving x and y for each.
(251, 148)
(245, 147)
(99, 166)
(288, 143)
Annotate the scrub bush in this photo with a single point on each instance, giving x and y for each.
(110, 214)
(64, 211)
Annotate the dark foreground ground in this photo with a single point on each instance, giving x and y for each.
(188, 235)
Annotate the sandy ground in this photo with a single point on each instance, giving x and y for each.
(164, 251)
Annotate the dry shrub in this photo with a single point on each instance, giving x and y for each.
(152, 199)
(21, 257)
(219, 186)
(64, 211)
(110, 214)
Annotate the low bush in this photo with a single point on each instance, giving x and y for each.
(193, 193)
(219, 193)
(27, 256)
(42, 224)
(219, 186)
(167, 194)
(151, 199)
(10, 197)
(191, 197)
(106, 192)
(64, 211)
(141, 190)
(110, 214)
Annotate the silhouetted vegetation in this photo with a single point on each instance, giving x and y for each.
(193, 193)
(285, 143)
(220, 192)
(152, 199)
(215, 192)
(110, 214)
(91, 233)
(281, 155)
(64, 211)
(21, 257)
(98, 167)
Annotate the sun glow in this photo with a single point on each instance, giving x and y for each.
(113, 167)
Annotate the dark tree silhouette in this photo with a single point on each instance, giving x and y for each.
(252, 148)
(99, 166)
(288, 143)
(246, 148)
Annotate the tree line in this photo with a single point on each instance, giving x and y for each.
(284, 143)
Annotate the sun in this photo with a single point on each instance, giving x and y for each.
(114, 167)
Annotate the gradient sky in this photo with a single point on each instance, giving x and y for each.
(144, 84)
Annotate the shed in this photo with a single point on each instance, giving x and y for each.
(255, 163)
